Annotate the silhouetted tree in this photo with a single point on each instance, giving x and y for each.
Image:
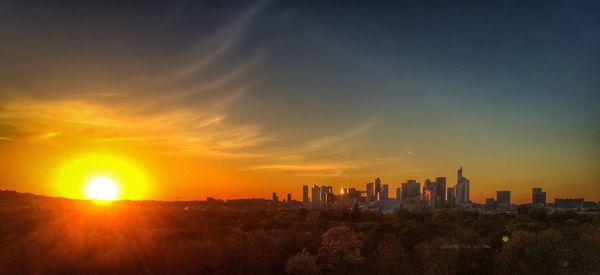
(392, 258)
(355, 216)
(302, 263)
(340, 249)
(530, 253)
(439, 256)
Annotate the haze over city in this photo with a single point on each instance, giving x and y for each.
(188, 100)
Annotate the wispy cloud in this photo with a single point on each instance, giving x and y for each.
(320, 156)
(336, 143)
(209, 50)
(185, 132)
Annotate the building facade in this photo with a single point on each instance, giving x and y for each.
(411, 189)
(538, 197)
(305, 199)
(385, 189)
(316, 197)
(462, 189)
(503, 199)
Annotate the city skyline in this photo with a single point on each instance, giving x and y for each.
(536, 195)
(186, 100)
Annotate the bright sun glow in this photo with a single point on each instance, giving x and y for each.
(101, 177)
(103, 189)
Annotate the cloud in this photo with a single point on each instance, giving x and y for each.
(209, 50)
(321, 156)
(307, 169)
(337, 143)
(182, 132)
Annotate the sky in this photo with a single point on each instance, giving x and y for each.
(238, 99)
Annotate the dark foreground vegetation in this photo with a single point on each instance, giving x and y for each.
(40, 235)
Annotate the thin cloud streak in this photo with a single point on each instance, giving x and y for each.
(187, 132)
(221, 43)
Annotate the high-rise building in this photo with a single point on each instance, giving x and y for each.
(399, 194)
(353, 194)
(427, 198)
(503, 199)
(451, 194)
(289, 198)
(411, 189)
(305, 199)
(326, 195)
(462, 189)
(275, 198)
(440, 192)
(538, 198)
(370, 192)
(377, 189)
(316, 197)
(385, 192)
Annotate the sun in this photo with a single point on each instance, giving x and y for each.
(101, 177)
(102, 189)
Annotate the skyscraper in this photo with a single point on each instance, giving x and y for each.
(370, 192)
(451, 194)
(411, 189)
(440, 192)
(289, 198)
(503, 199)
(462, 189)
(538, 198)
(275, 198)
(316, 197)
(385, 192)
(326, 195)
(399, 194)
(305, 199)
(427, 196)
(377, 189)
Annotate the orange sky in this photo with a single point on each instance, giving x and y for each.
(244, 101)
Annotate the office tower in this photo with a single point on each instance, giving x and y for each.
(503, 199)
(462, 189)
(451, 194)
(428, 200)
(289, 198)
(316, 197)
(353, 194)
(305, 199)
(377, 189)
(399, 194)
(326, 195)
(440, 192)
(411, 189)
(275, 198)
(385, 192)
(370, 192)
(538, 198)
(428, 191)
(429, 185)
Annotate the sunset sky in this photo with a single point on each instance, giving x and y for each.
(241, 99)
